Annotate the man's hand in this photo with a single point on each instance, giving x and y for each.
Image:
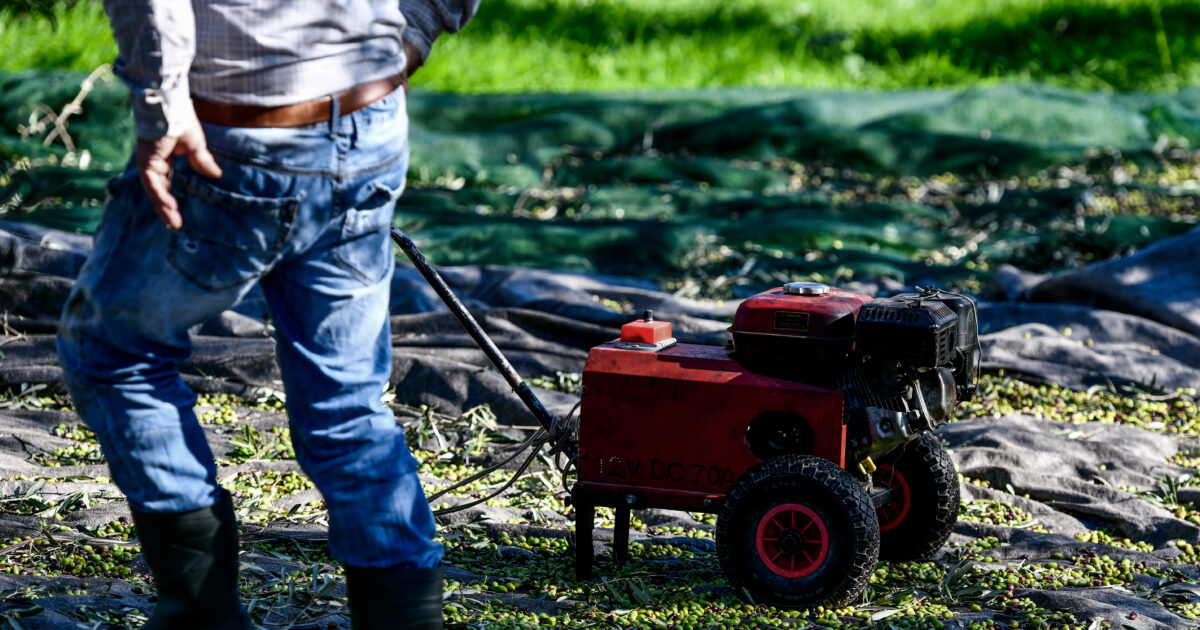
(153, 159)
(413, 60)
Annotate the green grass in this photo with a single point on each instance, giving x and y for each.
(79, 38)
(565, 45)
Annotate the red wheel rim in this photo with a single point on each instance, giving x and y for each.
(892, 514)
(792, 540)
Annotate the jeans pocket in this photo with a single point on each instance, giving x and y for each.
(119, 202)
(365, 249)
(117, 187)
(227, 239)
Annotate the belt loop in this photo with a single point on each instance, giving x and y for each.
(334, 114)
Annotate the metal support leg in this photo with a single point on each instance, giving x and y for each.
(621, 536)
(585, 514)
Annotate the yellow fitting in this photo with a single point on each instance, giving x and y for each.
(866, 466)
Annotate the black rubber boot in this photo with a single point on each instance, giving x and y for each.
(194, 559)
(394, 598)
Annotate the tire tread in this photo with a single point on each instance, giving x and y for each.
(904, 545)
(847, 491)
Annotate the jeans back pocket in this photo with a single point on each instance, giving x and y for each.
(228, 239)
(365, 249)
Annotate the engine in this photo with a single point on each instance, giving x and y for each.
(902, 363)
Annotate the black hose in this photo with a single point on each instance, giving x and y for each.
(549, 422)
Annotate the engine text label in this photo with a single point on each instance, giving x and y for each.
(791, 320)
(660, 470)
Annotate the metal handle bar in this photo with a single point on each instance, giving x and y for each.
(548, 421)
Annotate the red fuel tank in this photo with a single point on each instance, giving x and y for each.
(798, 330)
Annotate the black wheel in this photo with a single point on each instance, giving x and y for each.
(924, 506)
(798, 531)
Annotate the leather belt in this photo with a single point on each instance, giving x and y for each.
(298, 114)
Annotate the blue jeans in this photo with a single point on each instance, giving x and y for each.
(305, 213)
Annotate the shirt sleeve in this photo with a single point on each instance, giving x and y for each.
(156, 41)
(427, 19)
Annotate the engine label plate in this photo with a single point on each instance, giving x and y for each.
(791, 320)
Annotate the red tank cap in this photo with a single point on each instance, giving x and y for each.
(646, 330)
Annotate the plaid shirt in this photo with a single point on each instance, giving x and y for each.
(263, 52)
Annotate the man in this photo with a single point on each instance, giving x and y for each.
(272, 145)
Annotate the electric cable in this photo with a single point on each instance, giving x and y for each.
(493, 468)
(560, 436)
(507, 484)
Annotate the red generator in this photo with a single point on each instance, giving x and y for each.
(810, 435)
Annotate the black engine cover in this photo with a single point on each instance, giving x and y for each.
(917, 332)
(932, 329)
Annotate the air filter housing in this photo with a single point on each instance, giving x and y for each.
(916, 331)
